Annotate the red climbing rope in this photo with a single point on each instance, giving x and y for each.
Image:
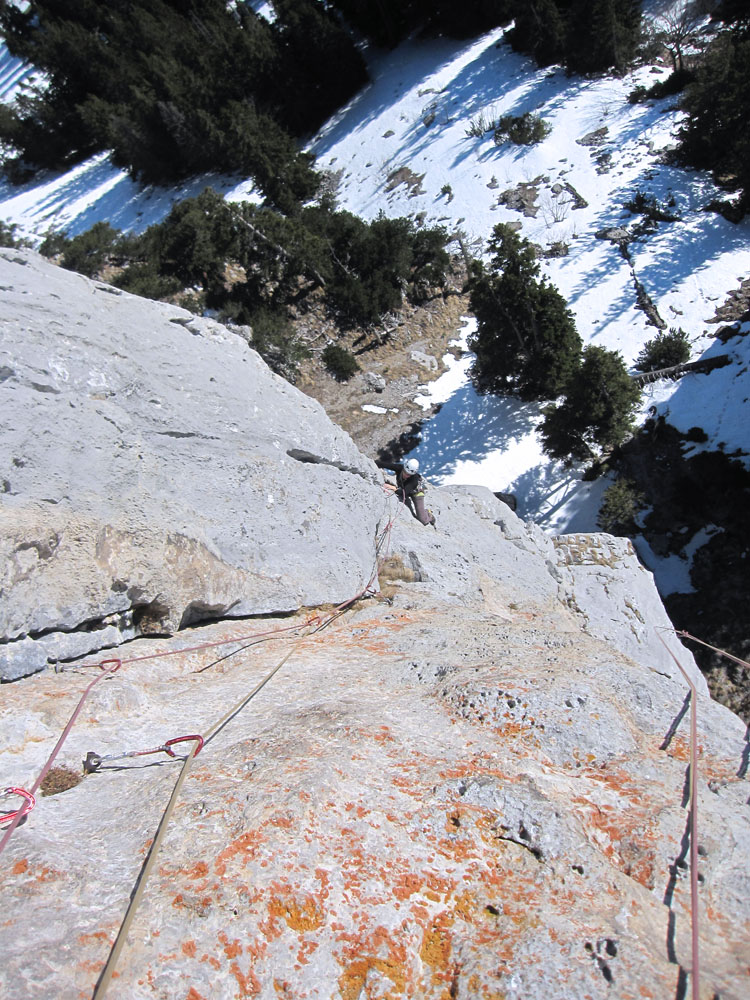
(115, 665)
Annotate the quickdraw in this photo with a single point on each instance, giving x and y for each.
(28, 805)
(93, 761)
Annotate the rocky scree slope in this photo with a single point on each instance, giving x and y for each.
(470, 785)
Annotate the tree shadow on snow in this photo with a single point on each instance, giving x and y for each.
(469, 427)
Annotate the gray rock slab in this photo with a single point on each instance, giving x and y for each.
(602, 579)
(354, 829)
(151, 462)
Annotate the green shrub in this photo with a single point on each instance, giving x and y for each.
(524, 130)
(8, 236)
(674, 84)
(91, 251)
(144, 279)
(648, 205)
(53, 244)
(664, 351)
(696, 434)
(274, 338)
(340, 363)
(620, 506)
(480, 124)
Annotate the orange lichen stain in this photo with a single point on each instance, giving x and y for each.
(352, 980)
(466, 906)
(20, 867)
(248, 983)
(95, 937)
(406, 885)
(325, 880)
(436, 949)
(232, 949)
(623, 836)
(86, 965)
(245, 846)
(193, 994)
(306, 949)
(189, 949)
(301, 914)
(212, 961)
(679, 748)
(48, 875)
(281, 820)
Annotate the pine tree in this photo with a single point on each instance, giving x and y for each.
(602, 34)
(716, 135)
(526, 340)
(539, 30)
(148, 80)
(597, 411)
(319, 64)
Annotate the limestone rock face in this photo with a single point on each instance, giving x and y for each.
(152, 467)
(430, 798)
(467, 780)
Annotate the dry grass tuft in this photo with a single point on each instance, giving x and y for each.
(393, 571)
(59, 779)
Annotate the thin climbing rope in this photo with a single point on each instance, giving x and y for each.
(722, 652)
(694, 911)
(108, 971)
(116, 664)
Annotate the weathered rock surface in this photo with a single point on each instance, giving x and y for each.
(470, 784)
(152, 465)
(430, 799)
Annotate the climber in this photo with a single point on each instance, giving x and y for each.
(410, 489)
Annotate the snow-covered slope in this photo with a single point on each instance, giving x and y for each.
(411, 125)
(402, 147)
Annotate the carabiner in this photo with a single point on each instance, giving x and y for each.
(93, 761)
(182, 739)
(26, 808)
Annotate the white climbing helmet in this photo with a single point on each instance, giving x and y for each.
(411, 465)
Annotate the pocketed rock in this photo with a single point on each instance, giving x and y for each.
(426, 793)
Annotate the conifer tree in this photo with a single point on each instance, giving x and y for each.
(716, 134)
(526, 340)
(319, 64)
(149, 80)
(602, 34)
(539, 30)
(597, 411)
